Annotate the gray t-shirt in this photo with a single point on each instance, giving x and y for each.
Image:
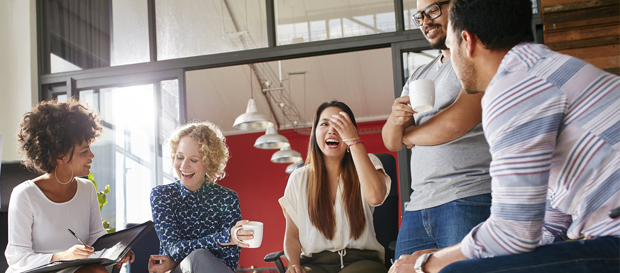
(453, 170)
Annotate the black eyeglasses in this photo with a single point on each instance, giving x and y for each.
(432, 12)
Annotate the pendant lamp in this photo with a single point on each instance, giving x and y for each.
(252, 119)
(286, 155)
(294, 166)
(271, 140)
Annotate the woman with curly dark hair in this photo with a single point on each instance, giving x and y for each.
(54, 139)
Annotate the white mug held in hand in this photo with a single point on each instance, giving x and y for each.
(422, 95)
(257, 227)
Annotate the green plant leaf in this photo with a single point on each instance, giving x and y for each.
(102, 199)
(91, 177)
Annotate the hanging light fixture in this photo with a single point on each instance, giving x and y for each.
(294, 166)
(286, 155)
(252, 119)
(271, 140)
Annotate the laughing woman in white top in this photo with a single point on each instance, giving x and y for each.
(55, 140)
(328, 203)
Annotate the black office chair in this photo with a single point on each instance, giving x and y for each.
(143, 249)
(385, 217)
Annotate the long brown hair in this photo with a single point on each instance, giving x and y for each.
(320, 208)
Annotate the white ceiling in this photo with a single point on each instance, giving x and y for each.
(363, 80)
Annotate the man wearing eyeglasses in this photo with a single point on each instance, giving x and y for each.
(449, 153)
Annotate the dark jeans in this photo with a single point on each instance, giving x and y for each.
(599, 255)
(441, 226)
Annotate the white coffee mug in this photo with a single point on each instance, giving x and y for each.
(422, 95)
(257, 227)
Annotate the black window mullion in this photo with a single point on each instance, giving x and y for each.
(271, 23)
(399, 13)
(152, 22)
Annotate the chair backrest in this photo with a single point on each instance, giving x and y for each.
(385, 217)
(145, 247)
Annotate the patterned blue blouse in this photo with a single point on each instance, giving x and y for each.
(186, 221)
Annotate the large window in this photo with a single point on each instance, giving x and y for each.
(90, 34)
(191, 28)
(128, 156)
(305, 21)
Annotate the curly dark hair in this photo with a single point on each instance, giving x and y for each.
(498, 24)
(52, 129)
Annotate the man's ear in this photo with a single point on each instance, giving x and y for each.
(470, 41)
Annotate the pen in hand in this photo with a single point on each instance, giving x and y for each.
(76, 237)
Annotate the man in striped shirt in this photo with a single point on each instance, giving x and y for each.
(553, 126)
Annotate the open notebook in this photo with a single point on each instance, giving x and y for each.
(109, 249)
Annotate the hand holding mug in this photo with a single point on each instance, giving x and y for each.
(401, 111)
(249, 234)
(422, 95)
(246, 233)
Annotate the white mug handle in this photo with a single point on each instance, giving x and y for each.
(235, 233)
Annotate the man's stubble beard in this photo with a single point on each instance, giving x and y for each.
(439, 44)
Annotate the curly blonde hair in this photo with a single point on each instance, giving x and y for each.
(212, 144)
(52, 129)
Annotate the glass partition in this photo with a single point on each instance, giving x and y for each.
(410, 7)
(299, 21)
(90, 34)
(128, 156)
(414, 59)
(190, 28)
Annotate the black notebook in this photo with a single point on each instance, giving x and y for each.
(109, 249)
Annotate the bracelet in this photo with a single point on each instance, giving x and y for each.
(351, 139)
(357, 142)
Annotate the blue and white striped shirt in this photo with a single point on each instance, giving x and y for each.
(553, 126)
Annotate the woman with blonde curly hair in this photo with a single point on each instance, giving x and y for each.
(55, 139)
(194, 217)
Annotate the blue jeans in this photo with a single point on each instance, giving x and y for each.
(600, 255)
(441, 226)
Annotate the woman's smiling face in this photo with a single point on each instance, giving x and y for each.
(188, 163)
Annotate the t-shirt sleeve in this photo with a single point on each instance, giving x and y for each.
(386, 178)
(291, 195)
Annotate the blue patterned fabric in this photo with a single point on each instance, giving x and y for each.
(186, 221)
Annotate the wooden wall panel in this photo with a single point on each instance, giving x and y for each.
(589, 30)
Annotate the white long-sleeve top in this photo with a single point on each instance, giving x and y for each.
(38, 226)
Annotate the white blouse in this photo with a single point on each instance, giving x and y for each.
(295, 204)
(38, 226)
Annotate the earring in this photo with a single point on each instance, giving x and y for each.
(70, 179)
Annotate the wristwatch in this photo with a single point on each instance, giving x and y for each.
(419, 263)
